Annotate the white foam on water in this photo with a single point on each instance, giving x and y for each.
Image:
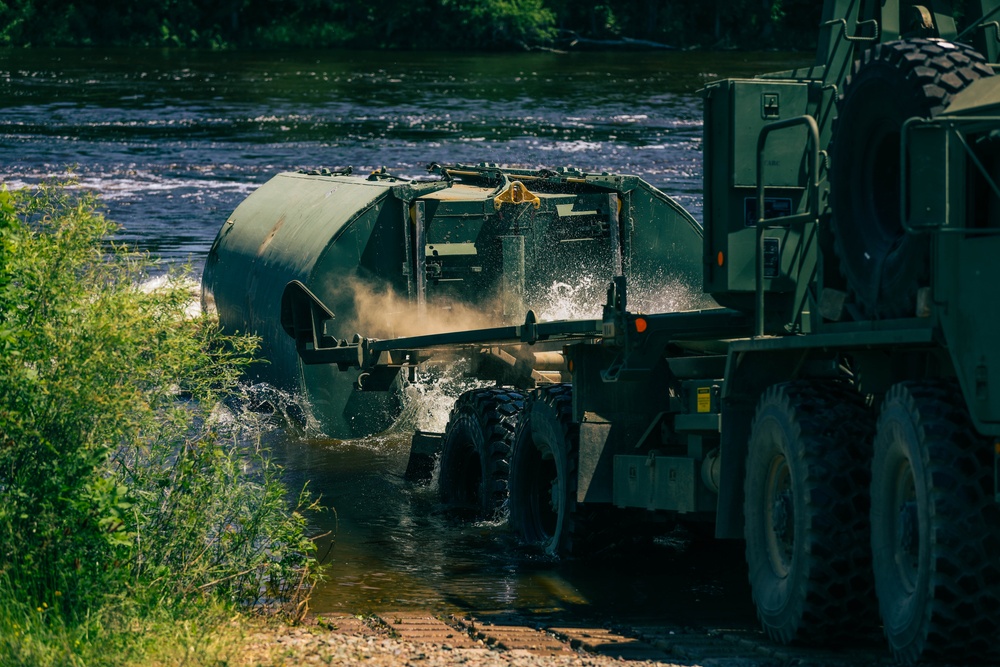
(579, 146)
(115, 185)
(193, 307)
(630, 118)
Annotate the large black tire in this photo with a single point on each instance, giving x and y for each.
(806, 511)
(935, 527)
(543, 472)
(882, 265)
(475, 451)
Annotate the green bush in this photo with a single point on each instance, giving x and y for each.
(121, 479)
(498, 23)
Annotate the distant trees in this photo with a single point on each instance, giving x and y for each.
(405, 24)
(745, 23)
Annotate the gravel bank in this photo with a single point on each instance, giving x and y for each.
(347, 642)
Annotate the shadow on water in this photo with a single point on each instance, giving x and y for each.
(391, 546)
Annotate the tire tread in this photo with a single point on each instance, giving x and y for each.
(837, 594)
(963, 618)
(495, 411)
(934, 71)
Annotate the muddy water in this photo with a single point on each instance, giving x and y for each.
(173, 141)
(390, 545)
(394, 547)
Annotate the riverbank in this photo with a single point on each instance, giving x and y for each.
(421, 639)
(508, 639)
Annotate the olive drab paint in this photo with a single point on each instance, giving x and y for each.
(833, 394)
(479, 239)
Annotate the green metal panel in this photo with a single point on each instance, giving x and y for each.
(969, 305)
(948, 196)
(595, 462)
(656, 482)
(983, 34)
(418, 250)
(295, 227)
(736, 111)
(931, 156)
(662, 247)
(752, 105)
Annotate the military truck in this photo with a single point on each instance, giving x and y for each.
(837, 407)
(471, 246)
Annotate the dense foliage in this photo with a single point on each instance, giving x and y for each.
(125, 490)
(427, 24)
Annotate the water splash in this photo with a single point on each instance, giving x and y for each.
(565, 301)
(429, 400)
(666, 293)
(584, 298)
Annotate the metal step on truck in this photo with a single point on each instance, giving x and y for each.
(834, 398)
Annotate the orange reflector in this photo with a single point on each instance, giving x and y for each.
(570, 365)
(996, 446)
(640, 324)
(721, 258)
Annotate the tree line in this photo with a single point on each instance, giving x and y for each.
(409, 24)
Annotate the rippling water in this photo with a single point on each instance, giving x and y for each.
(174, 140)
(390, 544)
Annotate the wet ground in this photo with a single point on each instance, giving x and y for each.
(410, 568)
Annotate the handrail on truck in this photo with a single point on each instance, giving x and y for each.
(812, 201)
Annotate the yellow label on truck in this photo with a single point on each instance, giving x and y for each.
(704, 399)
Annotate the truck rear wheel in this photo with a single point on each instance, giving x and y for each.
(935, 527)
(882, 264)
(543, 472)
(806, 512)
(476, 450)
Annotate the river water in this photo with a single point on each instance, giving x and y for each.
(174, 140)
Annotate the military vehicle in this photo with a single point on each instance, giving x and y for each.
(837, 407)
(473, 246)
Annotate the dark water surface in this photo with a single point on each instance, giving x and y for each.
(174, 140)
(393, 546)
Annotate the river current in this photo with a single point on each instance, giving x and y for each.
(174, 140)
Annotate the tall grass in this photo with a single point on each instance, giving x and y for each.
(126, 501)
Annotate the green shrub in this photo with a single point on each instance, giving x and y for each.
(498, 23)
(120, 477)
